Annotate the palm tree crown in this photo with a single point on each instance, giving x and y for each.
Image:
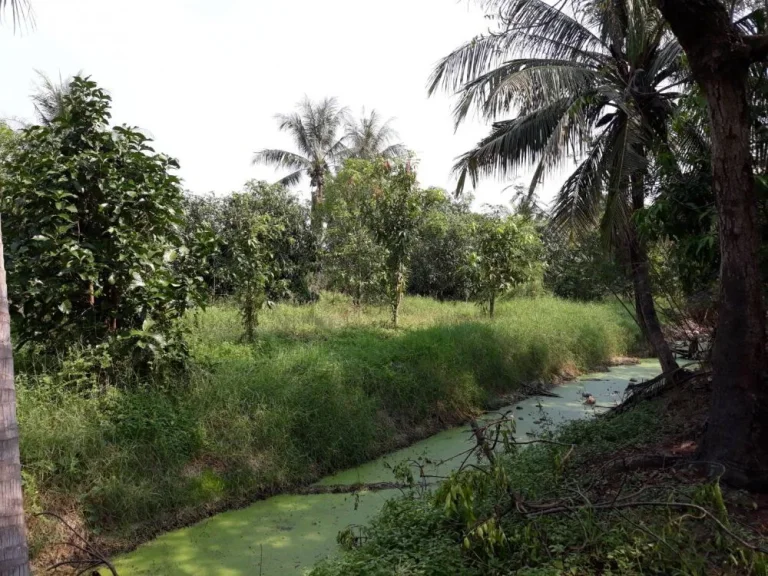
(594, 80)
(316, 131)
(370, 137)
(48, 99)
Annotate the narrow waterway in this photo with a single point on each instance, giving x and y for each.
(286, 535)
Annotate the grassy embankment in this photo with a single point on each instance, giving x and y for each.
(325, 387)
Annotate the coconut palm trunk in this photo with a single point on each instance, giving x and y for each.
(641, 281)
(318, 198)
(647, 316)
(14, 554)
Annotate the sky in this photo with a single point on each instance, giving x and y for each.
(205, 78)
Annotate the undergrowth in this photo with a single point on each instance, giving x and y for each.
(325, 386)
(559, 508)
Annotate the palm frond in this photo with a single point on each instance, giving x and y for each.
(338, 151)
(281, 159)
(545, 29)
(581, 75)
(323, 121)
(512, 143)
(578, 202)
(293, 178)
(690, 140)
(21, 12)
(526, 83)
(48, 98)
(315, 129)
(531, 27)
(611, 18)
(571, 134)
(395, 151)
(371, 137)
(645, 32)
(293, 124)
(468, 62)
(667, 62)
(622, 162)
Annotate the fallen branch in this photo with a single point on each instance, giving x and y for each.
(642, 391)
(92, 557)
(539, 391)
(641, 462)
(347, 488)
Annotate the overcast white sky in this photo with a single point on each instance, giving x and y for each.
(205, 78)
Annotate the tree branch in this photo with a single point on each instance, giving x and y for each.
(758, 47)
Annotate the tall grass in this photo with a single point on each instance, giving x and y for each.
(325, 386)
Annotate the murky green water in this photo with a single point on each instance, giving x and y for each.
(286, 535)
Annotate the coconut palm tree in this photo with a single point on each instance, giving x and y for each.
(316, 129)
(49, 96)
(592, 79)
(14, 551)
(370, 137)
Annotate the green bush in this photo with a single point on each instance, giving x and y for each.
(92, 230)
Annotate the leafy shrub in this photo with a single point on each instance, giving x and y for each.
(92, 227)
(580, 268)
(290, 241)
(506, 255)
(440, 262)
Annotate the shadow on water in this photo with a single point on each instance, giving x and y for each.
(286, 535)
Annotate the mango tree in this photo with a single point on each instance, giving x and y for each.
(353, 260)
(394, 215)
(508, 253)
(722, 42)
(248, 236)
(92, 218)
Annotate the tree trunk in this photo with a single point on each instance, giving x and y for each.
(641, 281)
(318, 197)
(14, 555)
(737, 433)
(648, 318)
(492, 304)
(397, 297)
(640, 318)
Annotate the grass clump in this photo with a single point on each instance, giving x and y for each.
(325, 386)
